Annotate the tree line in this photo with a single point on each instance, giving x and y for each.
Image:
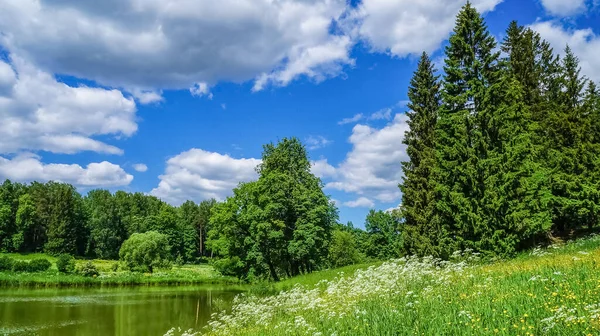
(53, 217)
(504, 147)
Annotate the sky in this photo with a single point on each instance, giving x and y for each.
(175, 98)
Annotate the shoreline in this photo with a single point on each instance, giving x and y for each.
(55, 280)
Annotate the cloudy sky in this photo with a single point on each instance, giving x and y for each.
(175, 98)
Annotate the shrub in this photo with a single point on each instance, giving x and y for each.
(20, 266)
(65, 263)
(6, 263)
(39, 265)
(88, 270)
(146, 251)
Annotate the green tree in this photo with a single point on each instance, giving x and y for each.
(384, 235)
(343, 249)
(417, 188)
(280, 224)
(146, 251)
(107, 230)
(471, 68)
(65, 229)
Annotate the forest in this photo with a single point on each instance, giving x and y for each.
(504, 148)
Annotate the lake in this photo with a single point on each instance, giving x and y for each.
(110, 311)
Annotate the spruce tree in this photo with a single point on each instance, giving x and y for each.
(517, 196)
(417, 187)
(462, 133)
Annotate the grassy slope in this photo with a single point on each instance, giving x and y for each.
(184, 275)
(555, 291)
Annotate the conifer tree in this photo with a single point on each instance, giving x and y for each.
(462, 132)
(417, 187)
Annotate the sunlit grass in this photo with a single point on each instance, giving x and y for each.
(553, 291)
(178, 275)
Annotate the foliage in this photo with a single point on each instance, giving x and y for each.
(88, 270)
(384, 235)
(510, 157)
(279, 225)
(65, 263)
(20, 266)
(6, 263)
(417, 187)
(343, 249)
(39, 265)
(146, 251)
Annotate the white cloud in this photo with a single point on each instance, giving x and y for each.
(316, 142)
(362, 202)
(563, 7)
(201, 89)
(140, 167)
(584, 42)
(40, 113)
(405, 27)
(355, 118)
(147, 96)
(147, 46)
(198, 175)
(322, 169)
(157, 44)
(25, 168)
(373, 167)
(316, 62)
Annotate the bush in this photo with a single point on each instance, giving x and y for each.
(65, 263)
(6, 263)
(146, 252)
(20, 266)
(88, 270)
(39, 265)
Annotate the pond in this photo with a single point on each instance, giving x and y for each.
(109, 311)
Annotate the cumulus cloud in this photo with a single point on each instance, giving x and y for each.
(362, 202)
(322, 169)
(563, 7)
(40, 113)
(26, 168)
(140, 167)
(584, 42)
(372, 168)
(147, 46)
(175, 44)
(405, 27)
(198, 175)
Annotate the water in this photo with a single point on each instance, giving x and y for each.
(109, 311)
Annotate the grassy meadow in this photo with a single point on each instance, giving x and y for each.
(178, 275)
(550, 291)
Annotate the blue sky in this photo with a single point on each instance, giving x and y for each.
(176, 98)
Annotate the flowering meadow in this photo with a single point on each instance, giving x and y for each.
(550, 291)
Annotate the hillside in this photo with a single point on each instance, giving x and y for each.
(551, 291)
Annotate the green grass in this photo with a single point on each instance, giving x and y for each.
(178, 275)
(553, 291)
(312, 279)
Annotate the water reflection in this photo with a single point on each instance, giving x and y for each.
(129, 311)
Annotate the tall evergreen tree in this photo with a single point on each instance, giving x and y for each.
(462, 133)
(417, 187)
